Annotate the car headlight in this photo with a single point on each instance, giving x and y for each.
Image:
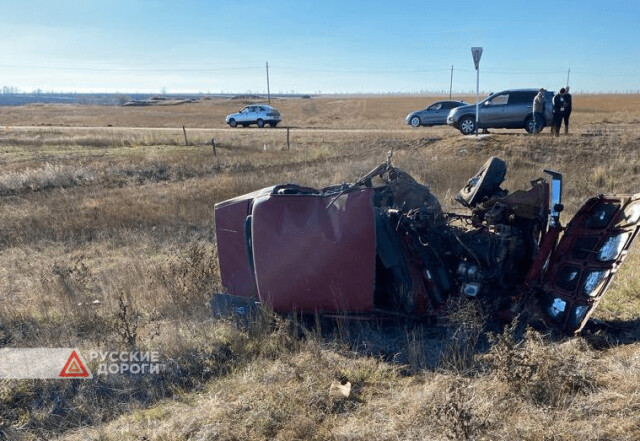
(557, 307)
(593, 282)
(612, 247)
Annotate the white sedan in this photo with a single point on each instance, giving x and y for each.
(259, 114)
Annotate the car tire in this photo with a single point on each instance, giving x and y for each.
(529, 126)
(485, 183)
(232, 123)
(415, 121)
(260, 123)
(467, 125)
(273, 124)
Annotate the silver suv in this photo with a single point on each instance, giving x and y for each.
(259, 114)
(509, 109)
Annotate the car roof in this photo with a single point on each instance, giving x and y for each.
(258, 104)
(516, 90)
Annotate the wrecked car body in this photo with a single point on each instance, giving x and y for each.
(383, 247)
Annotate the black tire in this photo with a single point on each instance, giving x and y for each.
(232, 123)
(484, 184)
(467, 125)
(260, 123)
(529, 126)
(273, 124)
(415, 121)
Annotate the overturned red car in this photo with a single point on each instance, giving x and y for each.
(383, 247)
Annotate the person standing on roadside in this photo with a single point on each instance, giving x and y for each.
(567, 110)
(538, 111)
(559, 107)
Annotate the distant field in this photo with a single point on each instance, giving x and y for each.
(331, 112)
(107, 203)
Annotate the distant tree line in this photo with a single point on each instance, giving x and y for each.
(10, 90)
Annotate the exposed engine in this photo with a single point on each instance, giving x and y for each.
(383, 246)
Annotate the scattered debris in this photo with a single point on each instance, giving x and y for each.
(338, 390)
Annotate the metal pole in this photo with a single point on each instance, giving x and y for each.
(268, 91)
(451, 82)
(568, 73)
(477, 96)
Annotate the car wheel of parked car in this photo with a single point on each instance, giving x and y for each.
(273, 124)
(530, 126)
(467, 125)
(260, 123)
(415, 121)
(485, 183)
(232, 122)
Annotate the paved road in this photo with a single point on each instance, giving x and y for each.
(219, 129)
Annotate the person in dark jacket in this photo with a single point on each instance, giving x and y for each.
(567, 110)
(559, 107)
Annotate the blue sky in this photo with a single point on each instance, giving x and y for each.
(327, 46)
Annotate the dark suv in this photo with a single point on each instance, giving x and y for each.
(509, 109)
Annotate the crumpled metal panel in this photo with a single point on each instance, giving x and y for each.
(315, 253)
(235, 269)
(591, 250)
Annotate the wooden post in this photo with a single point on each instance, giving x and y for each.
(288, 144)
(186, 141)
(213, 146)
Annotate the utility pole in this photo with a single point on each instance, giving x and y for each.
(268, 91)
(568, 73)
(451, 82)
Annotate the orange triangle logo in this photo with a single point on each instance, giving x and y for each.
(74, 368)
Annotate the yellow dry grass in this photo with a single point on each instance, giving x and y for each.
(90, 212)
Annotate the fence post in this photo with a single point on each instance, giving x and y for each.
(186, 141)
(213, 146)
(288, 144)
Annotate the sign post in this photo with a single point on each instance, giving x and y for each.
(477, 53)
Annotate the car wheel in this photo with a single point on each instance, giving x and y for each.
(273, 124)
(415, 121)
(260, 123)
(530, 126)
(232, 122)
(467, 125)
(484, 184)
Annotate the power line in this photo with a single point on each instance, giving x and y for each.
(128, 69)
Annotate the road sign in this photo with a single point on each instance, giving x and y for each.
(477, 53)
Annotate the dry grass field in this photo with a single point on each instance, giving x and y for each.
(107, 242)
